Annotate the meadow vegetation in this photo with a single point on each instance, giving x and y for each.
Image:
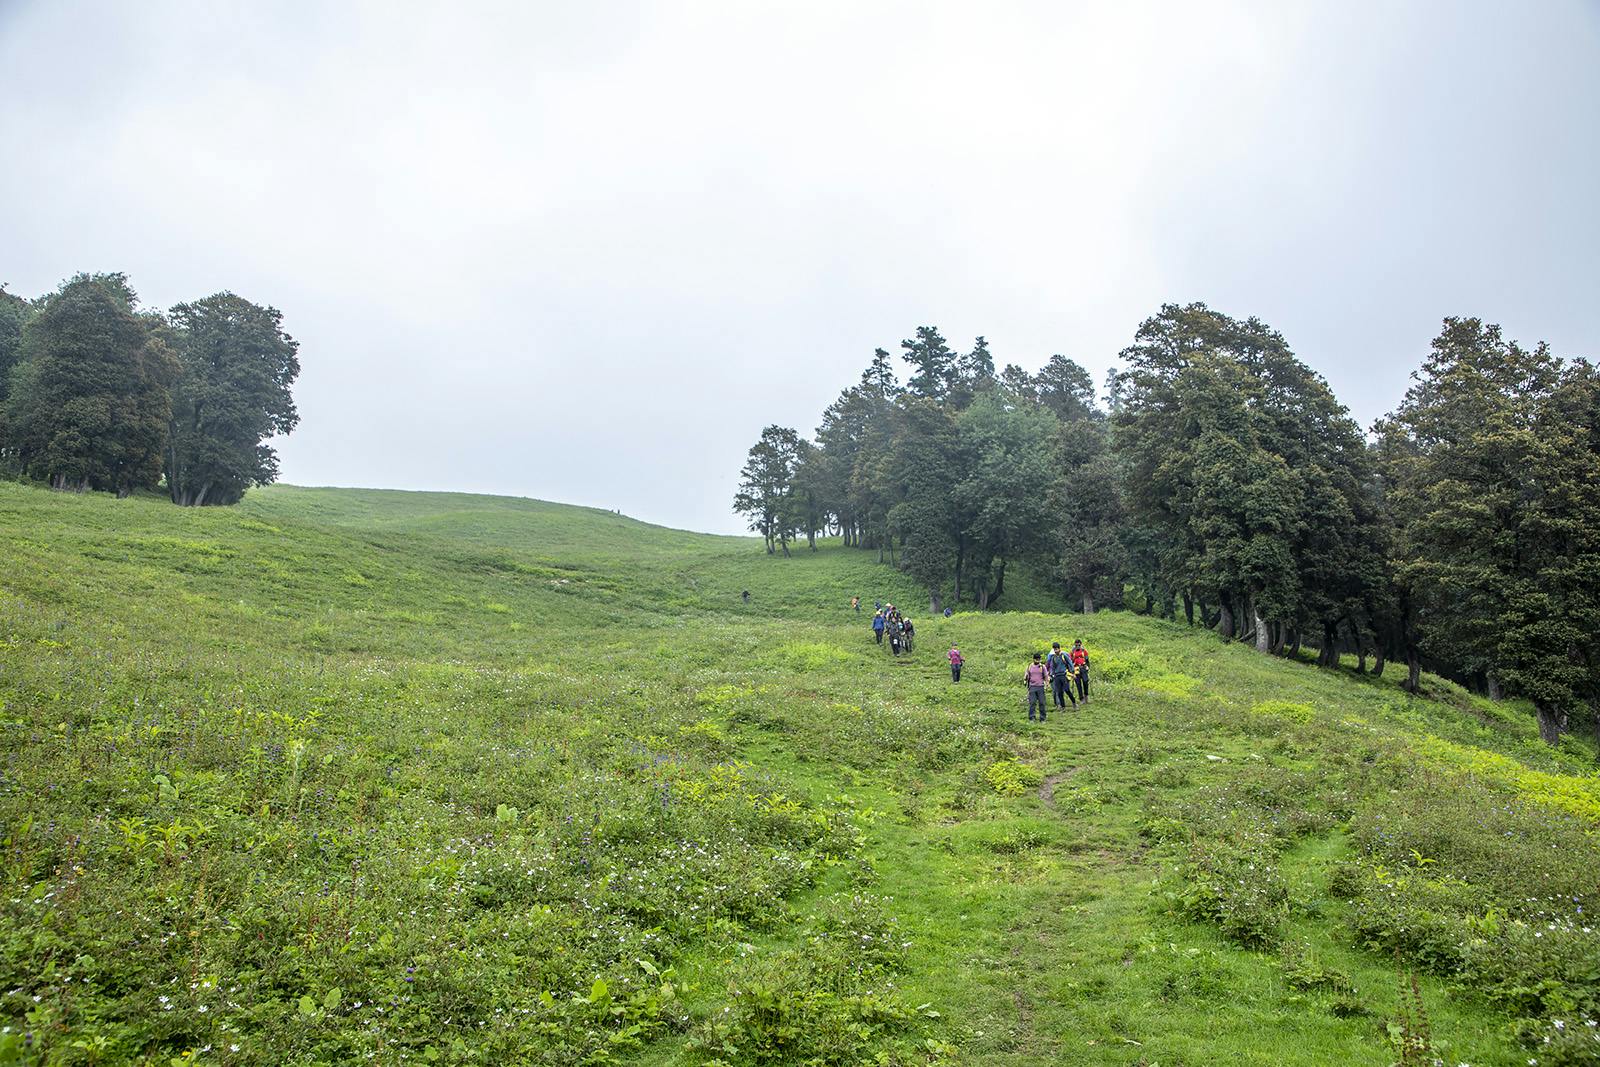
(353, 776)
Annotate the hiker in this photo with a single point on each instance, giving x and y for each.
(955, 664)
(878, 625)
(855, 604)
(1080, 660)
(877, 605)
(895, 636)
(746, 595)
(908, 632)
(1058, 665)
(1034, 679)
(948, 613)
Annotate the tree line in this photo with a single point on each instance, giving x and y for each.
(1222, 478)
(99, 393)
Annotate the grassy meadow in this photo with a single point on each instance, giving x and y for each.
(345, 776)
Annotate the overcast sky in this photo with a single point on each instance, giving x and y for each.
(585, 251)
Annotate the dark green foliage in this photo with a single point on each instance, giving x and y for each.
(1247, 478)
(766, 485)
(1494, 481)
(89, 405)
(14, 314)
(231, 395)
(96, 394)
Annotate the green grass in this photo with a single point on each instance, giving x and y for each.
(534, 781)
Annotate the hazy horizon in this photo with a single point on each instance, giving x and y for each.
(585, 255)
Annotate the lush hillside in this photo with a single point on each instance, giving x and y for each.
(339, 776)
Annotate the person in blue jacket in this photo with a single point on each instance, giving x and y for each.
(877, 626)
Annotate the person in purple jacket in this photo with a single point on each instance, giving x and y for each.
(1035, 679)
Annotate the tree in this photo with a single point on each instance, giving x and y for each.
(1088, 552)
(806, 510)
(920, 472)
(1066, 389)
(231, 395)
(765, 485)
(937, 367)
(1247, 480)
(1495, 502)
(972, 376)
(1000, 489)
(89, 407)
(14, 315)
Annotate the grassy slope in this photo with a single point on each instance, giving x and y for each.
(461, 653)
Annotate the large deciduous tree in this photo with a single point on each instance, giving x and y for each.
(90, 403)
(231, 396)
(14, 315)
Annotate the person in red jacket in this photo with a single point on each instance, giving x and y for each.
(1080, 662)
(955, 664)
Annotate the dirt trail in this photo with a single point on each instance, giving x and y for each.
(1047, 788)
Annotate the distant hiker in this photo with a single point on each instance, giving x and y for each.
(948, 613)
(877, 605)
(877, 626)
(746, 595)
(907, 632)
(1080, 660)
(1034, 678)
(855, 604)
(1059, 666)
(955, 664)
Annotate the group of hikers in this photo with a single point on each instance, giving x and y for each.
(887, 621)
(1064, 673)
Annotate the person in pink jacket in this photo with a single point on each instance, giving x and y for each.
(955, 664)
(1035, 678)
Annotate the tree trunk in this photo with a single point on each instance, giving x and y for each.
(1378, 660)
(1263, 644)
(1413, 671)
(1225, 621)
(1549, 723)
(934, 607)
(1361, 658)
(1330, 646)
(1205, 616)
(1088, 602)
(200, 497)
(1294, 641)
(983, 598)
(999, 581)
(1493, 684)
(1188, 607)
(811, 539)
